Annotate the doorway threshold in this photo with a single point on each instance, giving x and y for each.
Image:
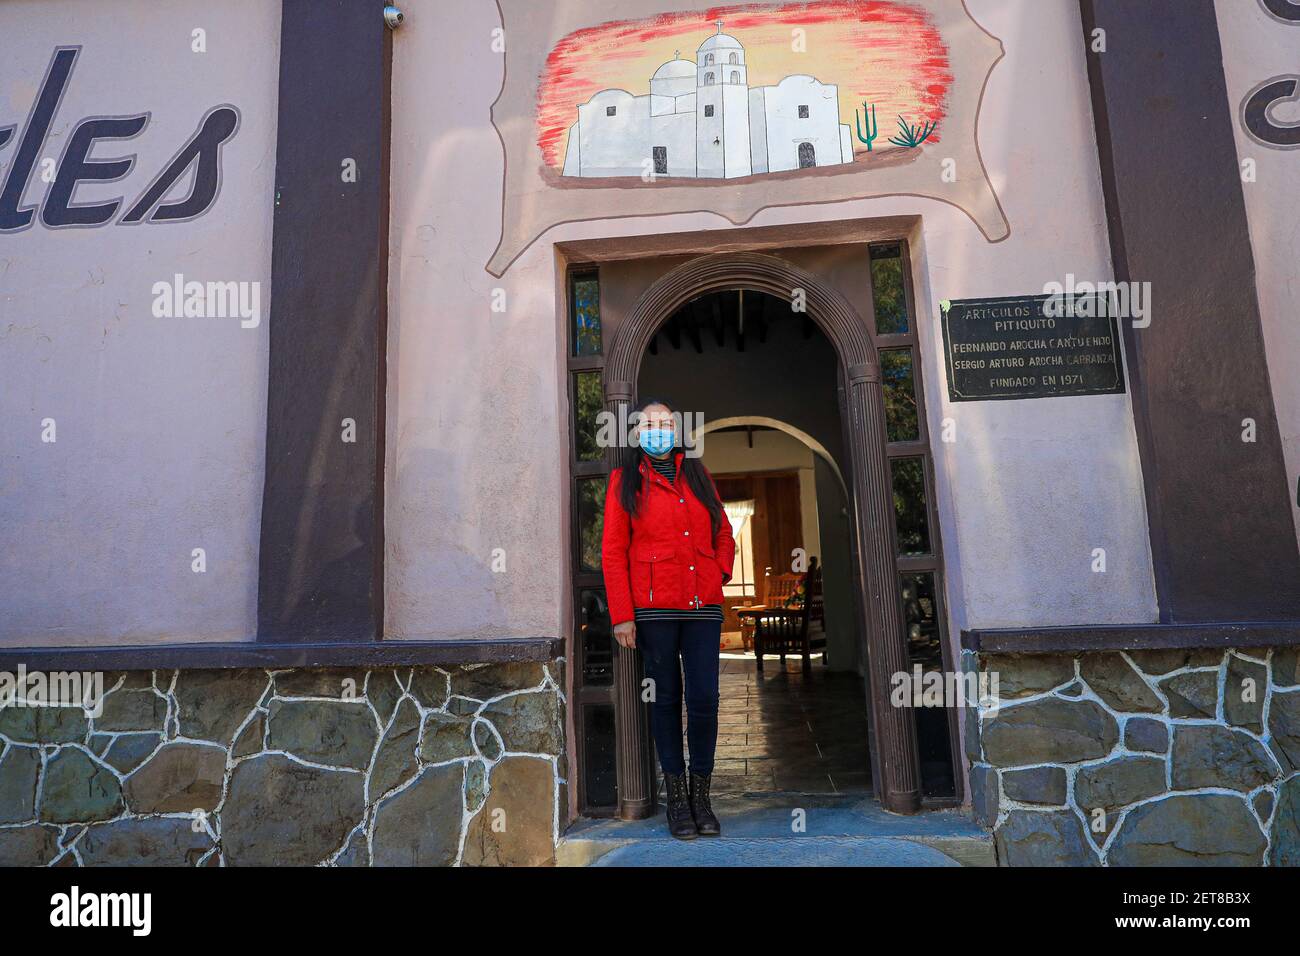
(759, 829)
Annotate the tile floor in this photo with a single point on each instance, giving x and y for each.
(784, 731)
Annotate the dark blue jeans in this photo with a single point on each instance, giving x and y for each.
(668, 649)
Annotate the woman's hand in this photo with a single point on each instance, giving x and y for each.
(625, 634)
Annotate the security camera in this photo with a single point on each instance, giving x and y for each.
(393, 16)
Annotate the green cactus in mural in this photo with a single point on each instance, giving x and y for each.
(870, 136)
(911, 136)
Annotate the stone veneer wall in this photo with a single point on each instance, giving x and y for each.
(1184, 766)
(427, 766)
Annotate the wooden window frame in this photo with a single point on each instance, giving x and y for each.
(919, 447)
(583, 695)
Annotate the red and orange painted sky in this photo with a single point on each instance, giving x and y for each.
(878, 51)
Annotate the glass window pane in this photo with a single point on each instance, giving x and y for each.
(925, 648)
(584, 300)
(901, 422)
(921, 618)
(910, 508)
(597, 649)
(591, 521)
(587, 404)
(598, 760)
(888, 298)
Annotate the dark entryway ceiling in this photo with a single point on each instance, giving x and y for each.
(726, 320)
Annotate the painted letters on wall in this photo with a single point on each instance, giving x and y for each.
(75, 167)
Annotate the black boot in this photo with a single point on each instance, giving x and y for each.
(680, 822)
(701, 809)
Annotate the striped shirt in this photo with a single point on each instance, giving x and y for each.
(667, 467)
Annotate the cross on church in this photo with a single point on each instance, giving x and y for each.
(719, 23)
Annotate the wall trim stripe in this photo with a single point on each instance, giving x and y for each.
(1222, 536)
(321, 561)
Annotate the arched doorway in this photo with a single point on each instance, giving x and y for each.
(895, 754)
(807, 156)
(816, 447)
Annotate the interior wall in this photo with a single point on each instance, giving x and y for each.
(843, 645)
(733, 453)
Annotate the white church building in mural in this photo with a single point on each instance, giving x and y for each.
(702, 119)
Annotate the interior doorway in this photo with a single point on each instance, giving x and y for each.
(795, 718)
(731, 323)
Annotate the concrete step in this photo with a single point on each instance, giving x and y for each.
(787, 829)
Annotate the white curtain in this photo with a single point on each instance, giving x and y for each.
(738, 514)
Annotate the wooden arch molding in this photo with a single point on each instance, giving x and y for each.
(895, 770)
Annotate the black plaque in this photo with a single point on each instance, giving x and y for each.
(1014, 347)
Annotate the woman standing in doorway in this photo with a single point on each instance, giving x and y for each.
(667, 550)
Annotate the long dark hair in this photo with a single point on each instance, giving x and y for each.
(692, 469)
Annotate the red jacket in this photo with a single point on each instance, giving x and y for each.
(667, 556)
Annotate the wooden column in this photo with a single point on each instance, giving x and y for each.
(896, 757)
(634, 764)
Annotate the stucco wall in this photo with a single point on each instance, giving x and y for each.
(1256, 48)
(477, 414)
(159, 422)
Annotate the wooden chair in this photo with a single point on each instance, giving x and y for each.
(785, 629)
(776, 588)
(818, 615)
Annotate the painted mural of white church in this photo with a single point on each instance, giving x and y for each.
(702, 119)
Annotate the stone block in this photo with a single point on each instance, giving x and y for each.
(1193, 694)
(282, 813)
(1022, 675)
(1192, 829)
(1146, 735)
(527, 722)
(147, 841)
(1050, 730)
(179, 778)
(1284, 728)
(1209, 755)
(44, 725)
(1114, 680)
(514, 826)
(79, 789)
(1119, 782)
(1043, 838)
(1044, 785)
(212, 705)
(337, 733)
(20, 769)
(395, 763)
(984, 794)
(420, 825)
(1244, 690)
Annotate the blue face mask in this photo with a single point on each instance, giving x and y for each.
(656, 441)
